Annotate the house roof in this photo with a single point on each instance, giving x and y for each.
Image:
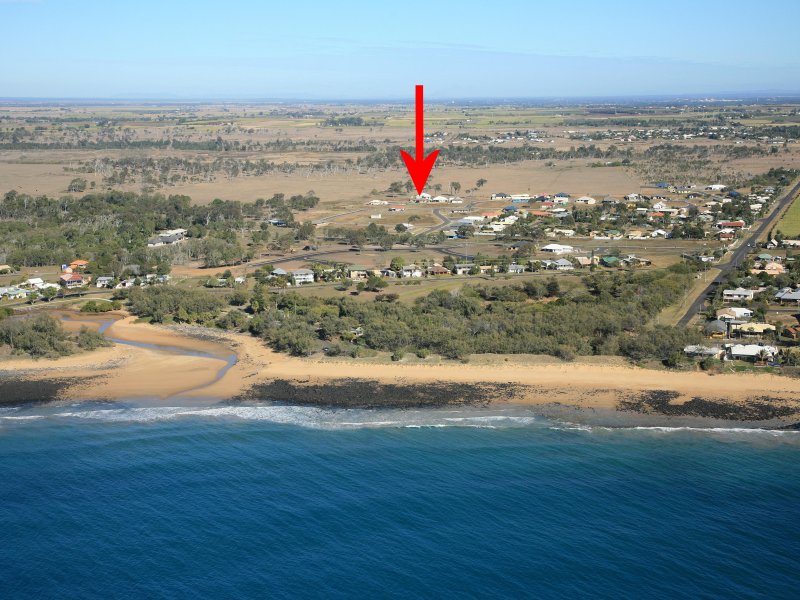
(716, 326)
(740, 291)
(755, 327)
(751, 349)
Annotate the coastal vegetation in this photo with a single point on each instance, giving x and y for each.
(43, 336)
(608, 314)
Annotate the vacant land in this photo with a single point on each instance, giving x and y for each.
(789, 225)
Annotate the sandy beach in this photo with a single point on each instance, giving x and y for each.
(173, 365)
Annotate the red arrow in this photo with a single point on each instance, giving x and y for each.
(420, 167)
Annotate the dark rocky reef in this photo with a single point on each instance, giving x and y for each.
(754, 409)
(362, 393)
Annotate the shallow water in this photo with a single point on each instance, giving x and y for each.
(100, 500)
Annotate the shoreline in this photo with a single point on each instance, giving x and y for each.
(186, 365)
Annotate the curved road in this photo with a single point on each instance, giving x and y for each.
(739, 254)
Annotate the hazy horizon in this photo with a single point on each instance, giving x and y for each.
(315, 51)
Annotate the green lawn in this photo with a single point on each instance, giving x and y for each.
(789, 225)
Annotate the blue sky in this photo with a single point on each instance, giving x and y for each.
(374, 50)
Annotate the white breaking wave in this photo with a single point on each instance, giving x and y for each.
(309, 417)
(344, 419)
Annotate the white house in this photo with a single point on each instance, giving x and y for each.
(301, 276)
(738, 295)
(411, 271)
(750, 352)
(716, 187)
(103, 281)
(558, 249)
(34, 282)
(564, 232)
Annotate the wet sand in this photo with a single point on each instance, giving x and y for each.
(193, 365)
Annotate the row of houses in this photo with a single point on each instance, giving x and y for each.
(748, 352)
(413, 271)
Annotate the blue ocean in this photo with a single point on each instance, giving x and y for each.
(101, 501)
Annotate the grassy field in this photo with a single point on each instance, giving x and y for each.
(789, 225)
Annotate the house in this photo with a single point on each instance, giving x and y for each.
(397, 208)
(738, 295)
(558, 249)
(464, 268)
(586, 200)
(788, 295)
(388, 273)
(562, 264)
(13, 293)
(301, 276)
(78, 265)
(704, 351)
(752, 328)
(72, 280)
(500, 196)
(377, 203)
(103, 281)
(5, 269)
(716, 187)
(636, 261)
(770, 268)
(583, 261)
(750, 352)
(411, 271)
(357, 272)
(166, 238)
(731, 224)
(278, 273)
(516, 269)
(734, 313)
(125, 283)
(716, 329)
(438, 270)
(792, 332)
(34, 282)
(610, 261)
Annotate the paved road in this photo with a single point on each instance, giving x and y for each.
(739, 254)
